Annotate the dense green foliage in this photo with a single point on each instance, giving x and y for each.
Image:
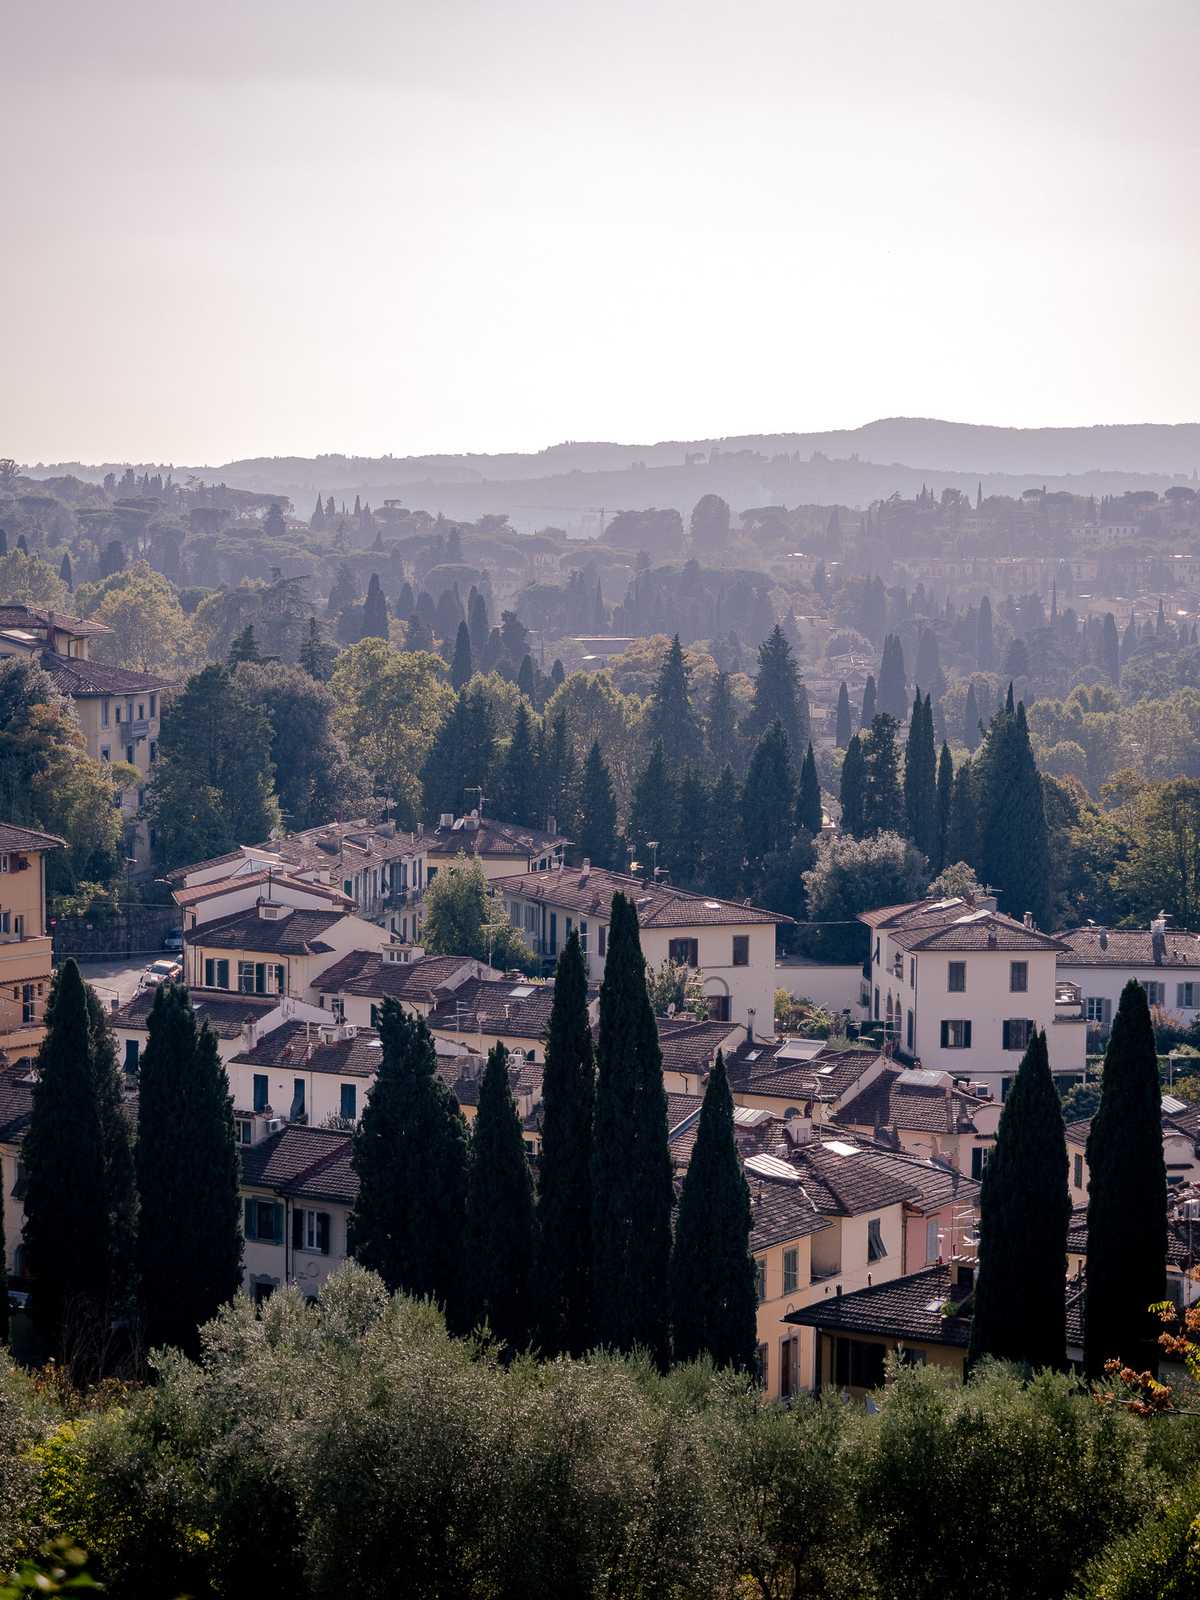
(500, 1219)
(465, 917)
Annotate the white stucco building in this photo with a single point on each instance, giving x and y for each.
(1100, 962)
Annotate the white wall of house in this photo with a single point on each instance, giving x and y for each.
(986, 997)
(269, 1264)
(300, 972)
(1175, 989)
(238, 894)
(276, 1089)
(287, 1010)
(834, 985)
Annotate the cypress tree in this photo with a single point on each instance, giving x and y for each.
(244, 647)
(410, 1155)
(462, 669)
(724, 844)
(186, 1162)
(564, 1270)
(842, 733)
(5, 1326)
(500, 1219)
(670, 719)
(691, 832)
(527, 679)
(1014, 851)
(598, 841)
(1110, 649)
(714, 1304)
(460, 758)
(1127, 1196)
(963, 841)
(853, 796)
(808, 801)
(893, 679)
(869, 703)
(631, 1175)
(945, 811)
(64, 570)
(1025, 1209)
(418, 635)
(778, 693)
(920, 779)
(375, 611)
(768, 800)
(985, 649)
(970, 728)
(654, 811)
(477, 622)
(883, 803)
(557, 784)
(518, 796)
(79, 1201)
(721, 723)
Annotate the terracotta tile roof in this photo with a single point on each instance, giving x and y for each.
(491, 838)
(1183, 1239)
(691, 1046)
(300, 1045)
(14, 614)
(16, 1105)
(461, 1075)
(518, 1008)
(365, 972)
(780, 1070)
(298, 934)
(14, 838)
(895, 1100)
(781, 1211)
(908, 1308)
(308, 1163)
(1126, 947)
(658, 905)
(218, 886)
(225, 1013)
(79, 678)
(358, 843)
(955, 924)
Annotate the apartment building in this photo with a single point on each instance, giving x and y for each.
(1181, 1149)
(1101, 961)
(26, 958)
(273, 948)
(730, 945)
(118, 711)
(354, 988)
(960, 988)
(235, 1020)
(298, 1189)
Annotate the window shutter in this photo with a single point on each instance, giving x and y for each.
(323, 1232)
(249, 1220)
(966, 1036)
(297, 1229)
(945, 1036)
(1006, 1039)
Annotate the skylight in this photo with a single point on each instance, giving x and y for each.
(771, 1167)
(521, 992)
(841, 1148)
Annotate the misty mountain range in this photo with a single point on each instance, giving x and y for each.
(570, 484)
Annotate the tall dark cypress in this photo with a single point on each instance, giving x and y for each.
(970, 728)
(779, 696)
(375, 611)
(598, 841)
(79, 1202)
(808, 799)
(853, 794)
(669, 715)
(500, 1218)
(1014, 849)
(893, 678)
(713, 1298)
(631, 1173)
(768, 800)
(945, 810)
(870, 703)
(883, 802)
(1127, 1196)
(963, 843)
(842, 732)
(985, 649)
(721, 723)
(1025, 1208)
(462, 666)
(691, 830)
(920, 779)
(410, 1155)
(724, 854)
(519, 786)
(186, 1162)
(564, 1259)
(654, 811)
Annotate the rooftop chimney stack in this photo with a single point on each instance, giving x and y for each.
(1158, 938)
(1104, 938)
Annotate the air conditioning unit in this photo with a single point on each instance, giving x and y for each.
(20, 863)
(274, 1124)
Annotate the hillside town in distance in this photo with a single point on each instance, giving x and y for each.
(766, 939)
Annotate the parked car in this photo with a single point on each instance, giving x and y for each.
(160, 972)
(174, 940)
(18, 1299)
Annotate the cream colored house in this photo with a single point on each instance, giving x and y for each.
(1101, 961)
(26, 957)
(236, 1020)
(355, 987)
(274, 949)
(730, 945)
(960, 988)
(118, 711)
(298, 1189)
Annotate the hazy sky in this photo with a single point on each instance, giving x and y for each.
(274, 226)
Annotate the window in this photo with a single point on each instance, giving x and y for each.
(908, 1031)
(876, 1249)
(19, 924)
(979, 1160)
(104, 713)
(1016, 1033)
(876, 1006)
(105, 753)
(260, 977)
(1185, 995)
(601, 938)
(741, 949)
(1078, 1173)
(1018, 977)
(760, 1279)
(789, 1367)
(1096, 1009)
(583, 937)
(153, 705)
(912, 972)
(933, 1243)
(132, 1051)
(877, 950)
(129, 754)
(5, 921)
(554, 934)
(684, 952)
(376, 1015)
(791, 1271)
(216, 974)
(296, 1112)
(117, 711)
(956, 977)
(956, 1036)
(280, 980)
(1155, 993)
(245, 977)
(260, 1091)
(718, 1007)
(28, 1002)
(857, 1365)
(760, 1364)
(245, 1130)
(264, 1221)
(310, 1230)
(348, 1103)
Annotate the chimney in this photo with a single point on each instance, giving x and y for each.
(586, 871)
(991, 939)
(964, 1280)
(1104, 938)
(552, 826)
(1158, 938)
(1027, 919)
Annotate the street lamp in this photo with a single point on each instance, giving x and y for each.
(652, 846)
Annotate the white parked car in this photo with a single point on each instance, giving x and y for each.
(161, 972)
